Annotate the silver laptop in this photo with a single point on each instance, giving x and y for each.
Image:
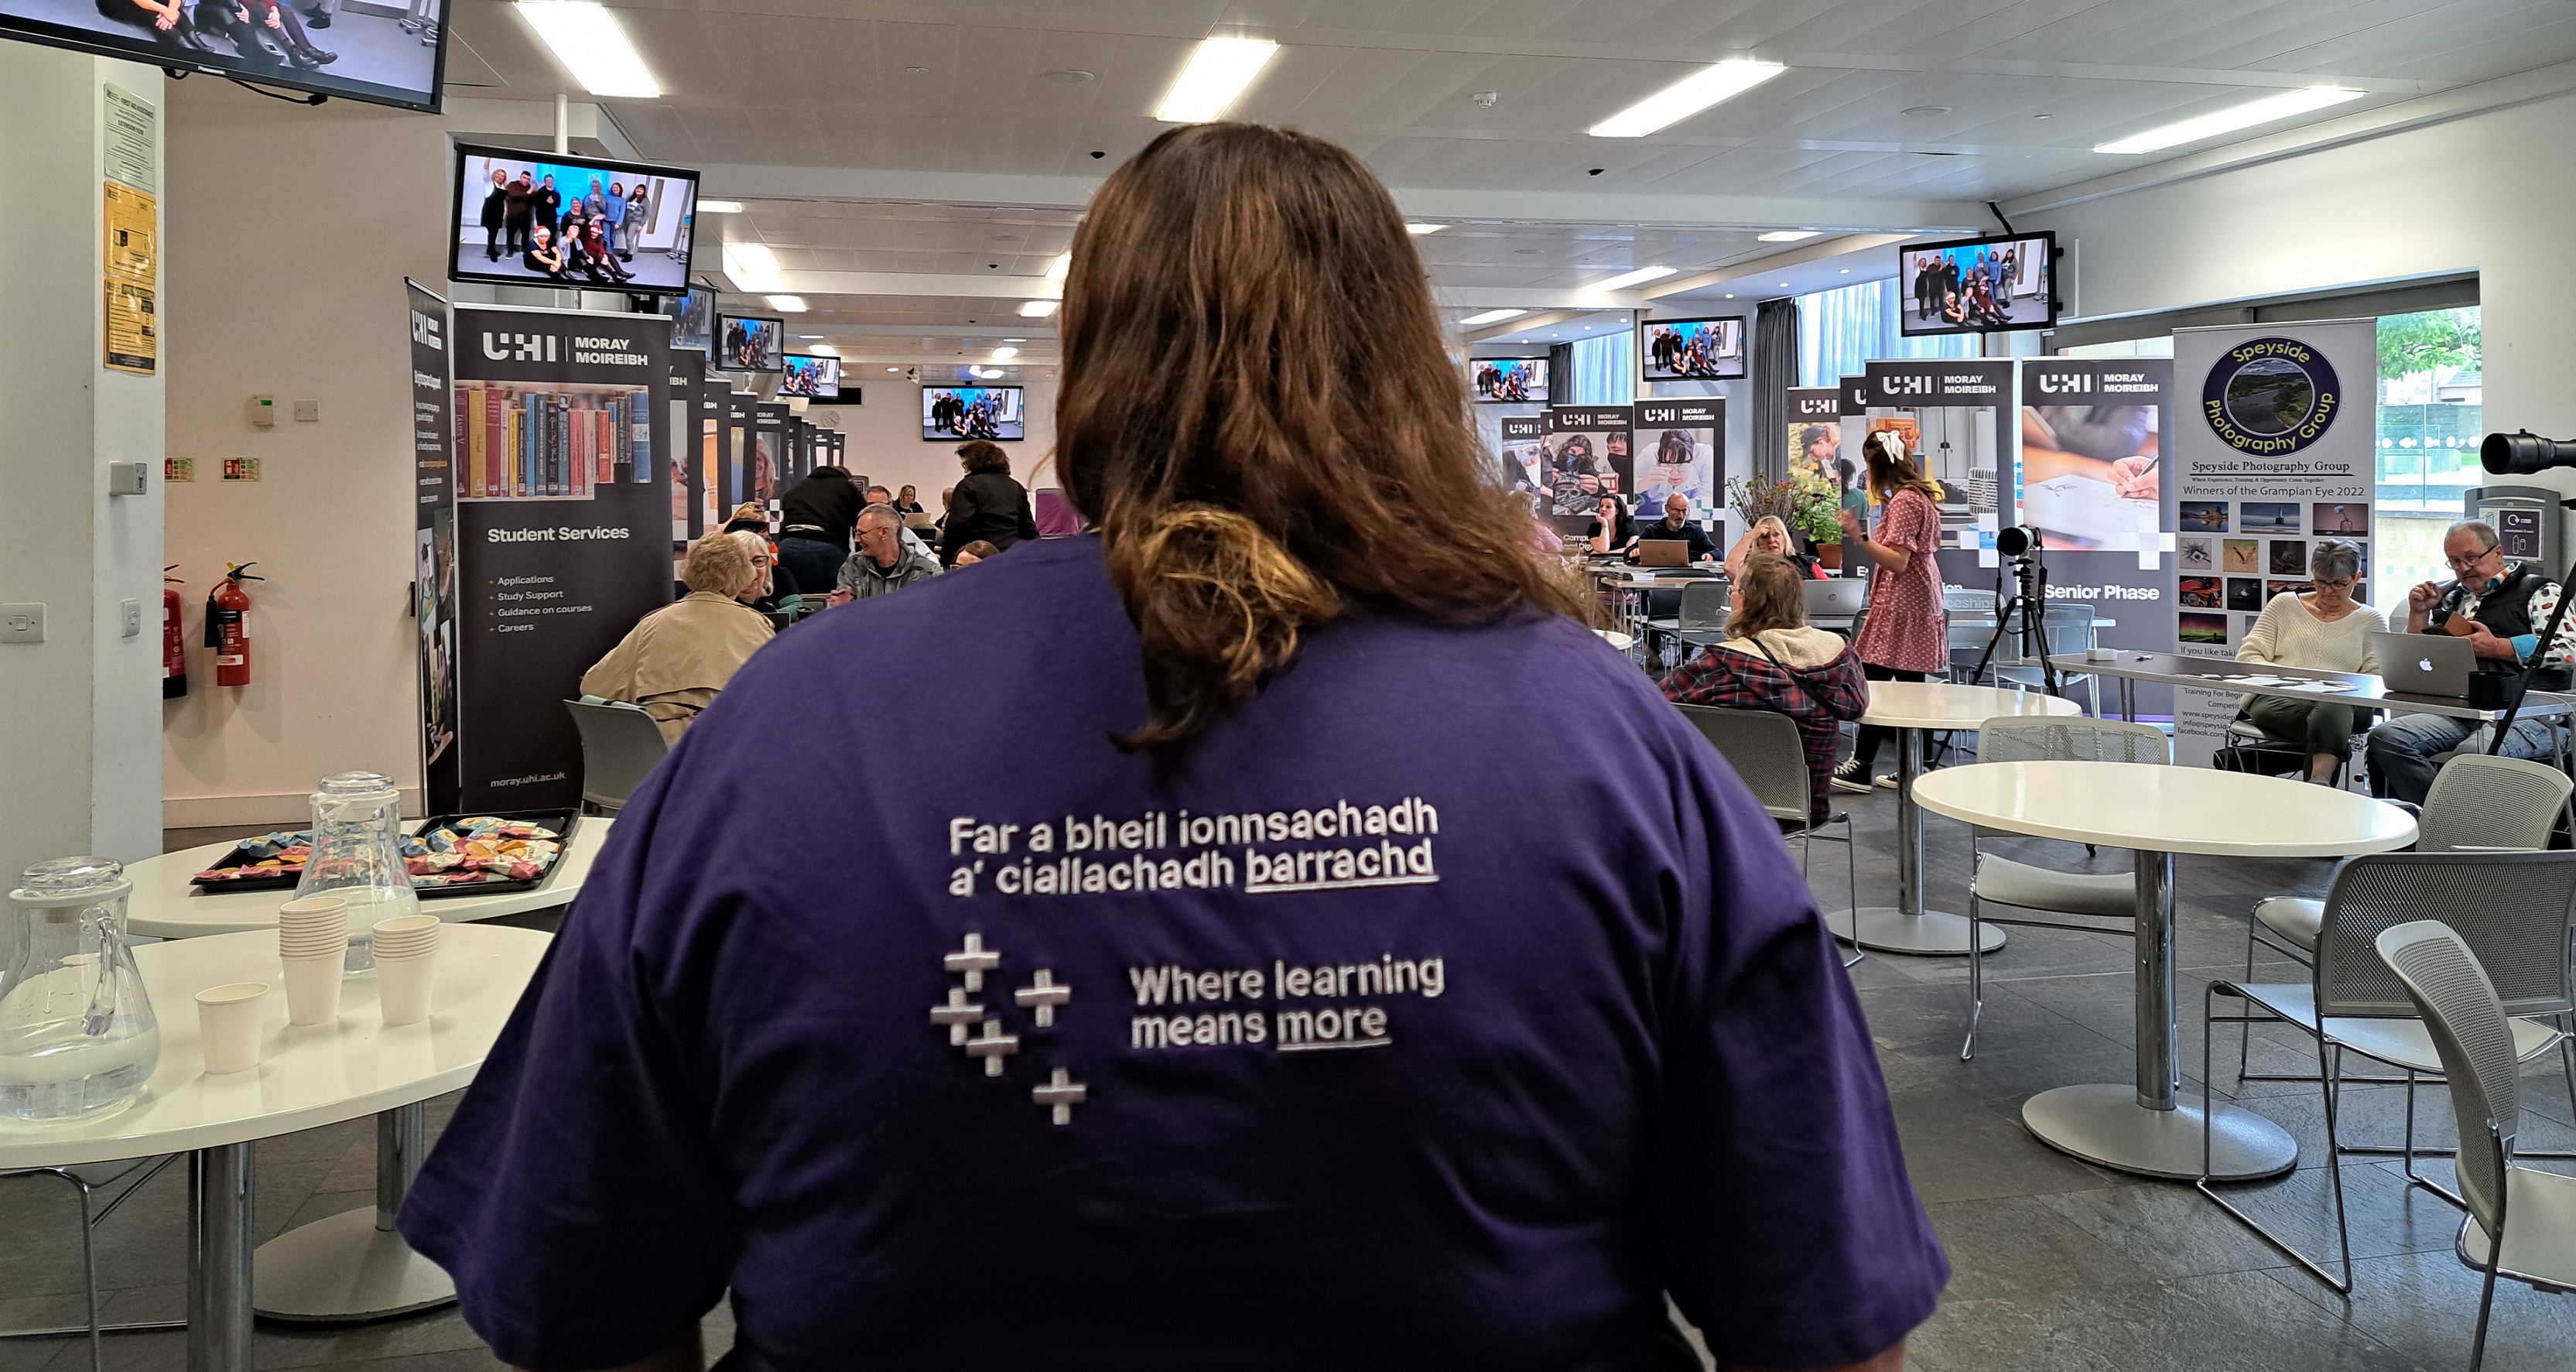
(1838, 598)
(2424, 664)
(1669, 552)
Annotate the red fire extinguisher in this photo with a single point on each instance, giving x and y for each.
(227, 629)
(174, 647)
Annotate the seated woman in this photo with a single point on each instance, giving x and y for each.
(1769, 535)
(2322, 628)
(1611, 530)
(777, 592)
(1771, 660)
(675, 660)
(974, 552)
(541, 256)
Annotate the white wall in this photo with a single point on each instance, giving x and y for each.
(886, 444)
(79, 761)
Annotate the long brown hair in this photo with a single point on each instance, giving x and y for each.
(1259, 414)
(1767, 596)
(1891, 470)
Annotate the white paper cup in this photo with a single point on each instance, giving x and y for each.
(313, 988)
(403, 985)
(228, 1020)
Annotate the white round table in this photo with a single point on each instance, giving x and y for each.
(308, 1076)
(164, 905)
(2148, 1127)
(1913, 708)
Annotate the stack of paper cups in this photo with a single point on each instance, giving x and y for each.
(313, 941)
(406, 958)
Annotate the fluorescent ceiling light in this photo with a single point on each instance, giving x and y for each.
(1686, 97)
(752, 266)
(2245, 116)
(1639, 277)
(721, 206)
(1490, 317)
(787, 304)
(1217, 73)
(1015, 340)
(1005, 354)
(1424, 228)
(1038, 309)
(586, 38)
(1787, 235)
(1057, 270)
(824, 350)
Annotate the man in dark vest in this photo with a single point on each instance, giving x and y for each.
(2500, 608)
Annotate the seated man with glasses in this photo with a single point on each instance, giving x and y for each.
(2500, 608)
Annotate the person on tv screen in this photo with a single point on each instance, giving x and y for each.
(496, 214)
(639, 212)
(613, 208)
(541, 256)
(549, 202)
(520, 216)
(600, 258)
(568, 242)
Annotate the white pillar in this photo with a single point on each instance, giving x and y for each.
(80, 713)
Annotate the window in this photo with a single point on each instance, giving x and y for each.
(1605, 371)
(2430, 421)
(1838, 330)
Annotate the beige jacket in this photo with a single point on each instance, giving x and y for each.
(675, 660)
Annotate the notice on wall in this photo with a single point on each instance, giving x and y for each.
(434, 572)
(241, 469)
(563, 530)
(179, 469)
(130, 270)
(2268, 467)
(133, 143)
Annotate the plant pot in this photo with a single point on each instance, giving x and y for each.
(1829, 556)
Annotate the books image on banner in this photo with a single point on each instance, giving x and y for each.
(537, 442)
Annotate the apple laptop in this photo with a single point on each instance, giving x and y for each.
(2424, 664)
(1835, 599)
(1674, 552)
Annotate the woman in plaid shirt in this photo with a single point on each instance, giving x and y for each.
(1772, 661)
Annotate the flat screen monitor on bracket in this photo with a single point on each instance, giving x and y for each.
(811, 376)
(1691, 349)
(555, 219)
(2004, 283)
(1509, 380)
(382, 54)
(951, 413)
(750, 343)
(693, 321)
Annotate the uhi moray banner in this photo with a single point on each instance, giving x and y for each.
(1584, 456)
(1957, 420)
(1680, 450)
(434, 587)
(2269, 466)
(565, 518)
(2094, 461)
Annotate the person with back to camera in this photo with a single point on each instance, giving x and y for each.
(988, 504)
(976, 552)
(677, 659)
(1904, 636)
(1010, 1061)
(2323, 628)
(2500, 607)
(1773, 660)
(815, 519)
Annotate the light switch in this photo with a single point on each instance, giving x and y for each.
(132, 610)
(22, 623)
(308, 411)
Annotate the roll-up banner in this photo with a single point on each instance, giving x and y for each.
(1584, 455)
(563, 513)
(739, 410)
(687, 368)
(433, 457)
(704, 456)
(1680, 450)
(768, 451)
(1524, 457)
(1816, 433)
(2269, 465)
(1958, 419)
(2095, 447)
(1851, 399)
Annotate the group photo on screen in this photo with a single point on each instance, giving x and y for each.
(993, 412)
(750, 343)
(815, 378)
(1691, 349)
(1977, 285)
(383, 53)
(523, 219)
(1511, 380)
(693, 321)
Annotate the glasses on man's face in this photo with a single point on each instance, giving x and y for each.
(2472, 560)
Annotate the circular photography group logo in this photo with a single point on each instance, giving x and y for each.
(2271, 396)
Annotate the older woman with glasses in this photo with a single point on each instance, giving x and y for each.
(2322, 628)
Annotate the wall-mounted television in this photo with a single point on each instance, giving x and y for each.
(811, 376)
(553, 219)
(1978, 285)
(750, 343)
(1691, 349)
(950, 413)
(382, 54)
(693, 321)
(1509, 380)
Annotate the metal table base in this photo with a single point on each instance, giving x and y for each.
(1907, 927)
(353, 1266)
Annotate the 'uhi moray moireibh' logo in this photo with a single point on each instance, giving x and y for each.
(2270, 396)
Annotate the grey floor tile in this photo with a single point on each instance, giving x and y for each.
(2187, 1324)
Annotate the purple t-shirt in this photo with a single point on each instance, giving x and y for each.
(1385, 1027)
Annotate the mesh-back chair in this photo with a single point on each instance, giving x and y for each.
(2106, 902)
(619, 745)
(2521, 1222)
(2477, 803)
(2515, 910)
(1769, 756)
(1968, 640)
(1703, 606)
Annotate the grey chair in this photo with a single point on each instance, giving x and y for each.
(1703, 606)
(2521, 1222)
(1767, 753)
(125, 1178)
(619, 745)
(2098, 902)
(1967, 641)
(2515, 909)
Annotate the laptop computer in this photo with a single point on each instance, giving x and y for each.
(2424, 664)
(1664, 552)
(1835, 599)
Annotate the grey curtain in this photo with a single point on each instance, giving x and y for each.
(1775, 370)
(1560, 374)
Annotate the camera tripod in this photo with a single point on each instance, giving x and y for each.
(2025, 615)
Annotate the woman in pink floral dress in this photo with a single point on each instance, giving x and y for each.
(1903, 637)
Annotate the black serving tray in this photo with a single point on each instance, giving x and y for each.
(561, 821)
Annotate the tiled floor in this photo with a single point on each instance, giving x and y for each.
(2061, 1267)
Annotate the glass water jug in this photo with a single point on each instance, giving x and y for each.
(357, 856)
(77, 1036)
